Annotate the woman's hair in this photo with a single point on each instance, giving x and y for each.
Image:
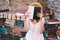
(38, 7)
(38, 4)
(36, 11)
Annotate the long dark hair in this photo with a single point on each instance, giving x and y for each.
(36, 11)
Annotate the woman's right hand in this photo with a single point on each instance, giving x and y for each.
(26, 14)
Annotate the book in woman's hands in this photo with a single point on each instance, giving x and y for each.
(33, 11)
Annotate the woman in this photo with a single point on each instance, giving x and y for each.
(34, 27)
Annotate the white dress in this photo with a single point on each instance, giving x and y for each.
(34, 32)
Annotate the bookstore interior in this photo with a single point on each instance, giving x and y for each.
(12, 16)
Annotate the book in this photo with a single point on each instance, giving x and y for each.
(33, 11)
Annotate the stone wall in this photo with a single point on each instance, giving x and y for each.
(4, 4)
(15, 5)
(18, 5)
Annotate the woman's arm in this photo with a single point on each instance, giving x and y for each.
(42, 24)
(26, 22)
(25, 25)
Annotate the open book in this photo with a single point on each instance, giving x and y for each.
(33, 10)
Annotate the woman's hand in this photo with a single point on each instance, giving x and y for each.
(26, 15)
(41, 15)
